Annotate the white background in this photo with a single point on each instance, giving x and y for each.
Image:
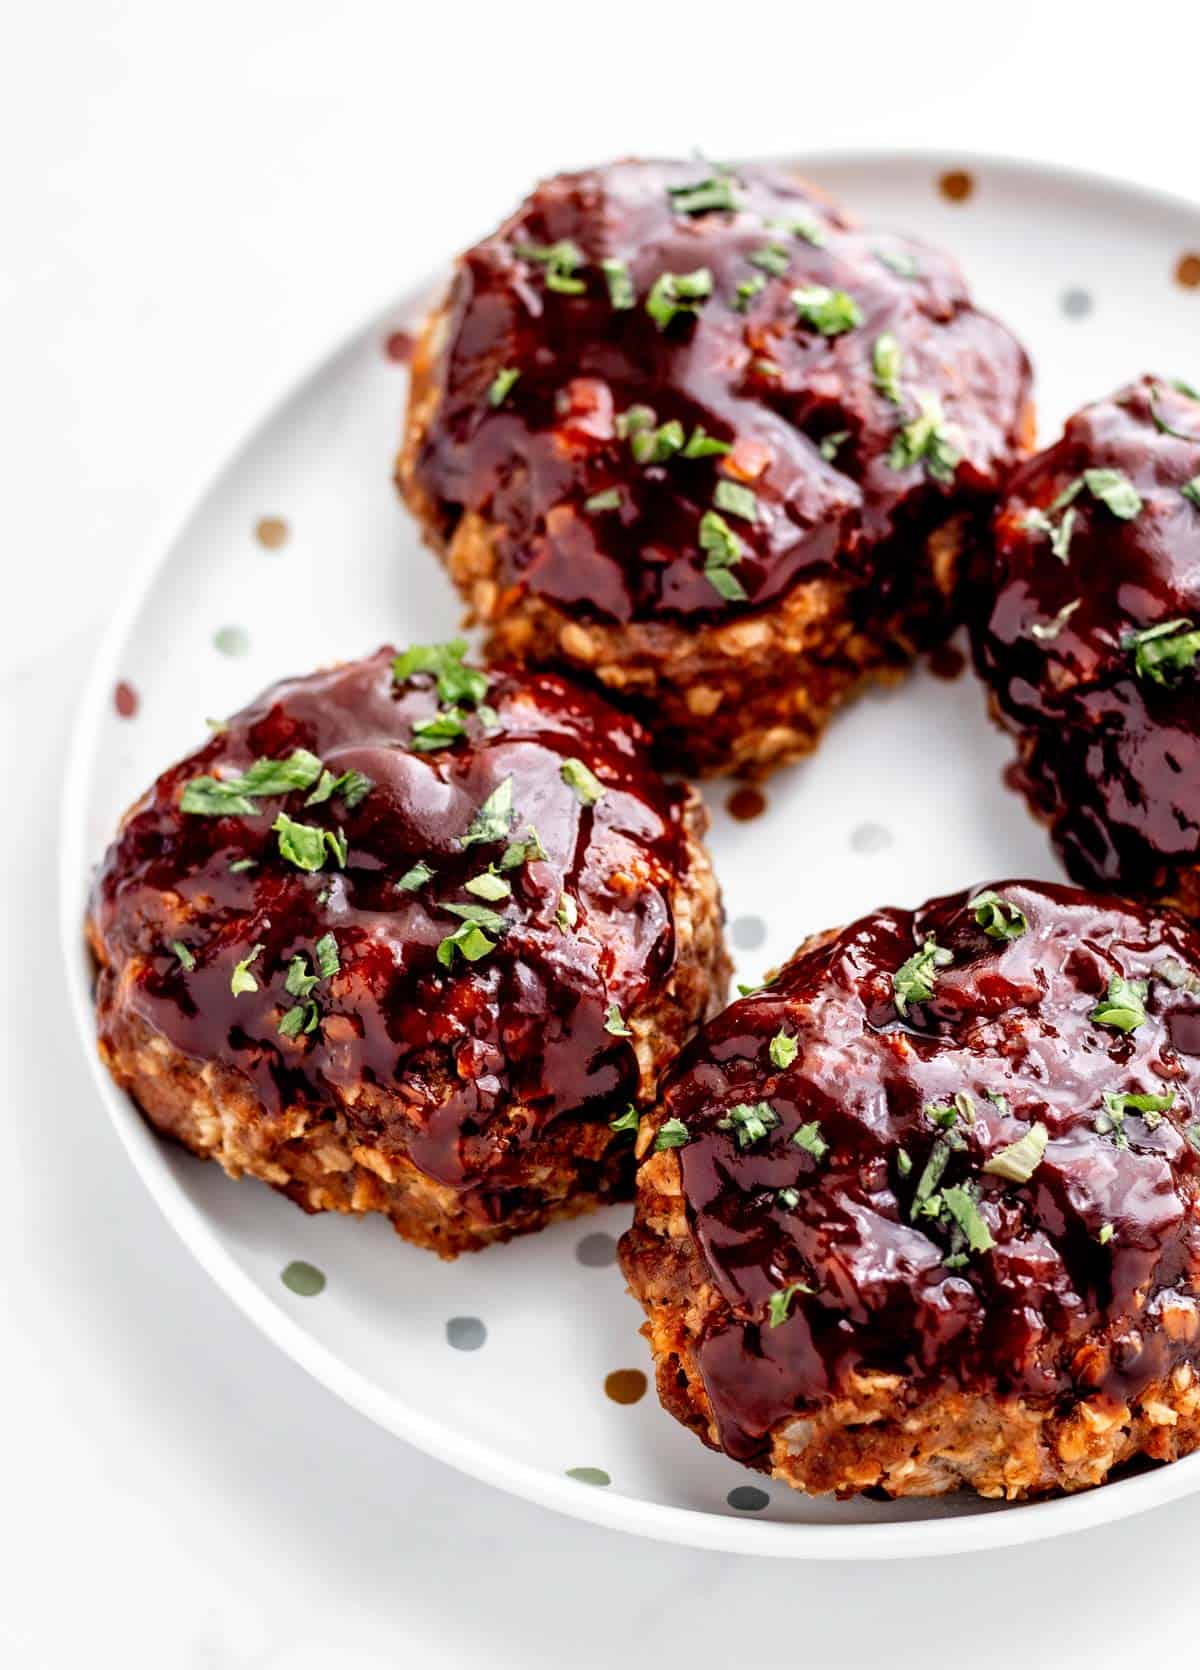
(193, 201)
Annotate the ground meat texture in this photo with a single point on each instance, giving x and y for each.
(922, 1213)
(409, 941)
(724, 497)
(1084, 633)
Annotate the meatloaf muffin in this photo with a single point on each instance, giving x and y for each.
(922, 1213)
(412, 938)
(707, 443)
(1087, 631)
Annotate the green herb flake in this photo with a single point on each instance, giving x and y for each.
(829, 311)
(234, 796)
(1163, 651)
(926, 439)
(301, 1017)
(899, 262)
(566, 913)
(914, 980)
(722, 550)
(469, 940)
(672, 1133)
(802, 226)
(702, 198)
(926, 1201)
(1123, 1008)
(1020, 1159)
(455, 682)
(627, 1121)
(619, 280)
(737, 500)
(609, 499)
(488, 886)
(675, 294)
(749, 1121)
(1046, 631)
(655, 446)
(240, 865)
(501, 385)
(416, 878)
(440, 731)
(998, 917)
(305, 844)
(903, 1162)
(789, 1198)
(328, 960)
(1191, 491)
(241, 980)
(298, 982)
(633, 420)
(184, 956)
(1151, 1106)
(747, 289)
(614, 1022)
(783, 1049)
(704, 445)
(1114, 489)
(585, 785)
(352, 786)
(779, 1304)
(810, 1139)
(887, 362)
(491, 822)
(1105, 1234)
(830, 445)
(773, 259)
(960, 1203)
(560, 261)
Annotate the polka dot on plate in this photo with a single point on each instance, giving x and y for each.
(746, 1498)
(304, 1279)
(596, 1251)
(625, 1385)
(231, 640)
(870, 837)
(589, 1475)
(746, 803)
(748, 932)
(1076, 304)
(398, 347)
(956, 185)
(1187, 271)
(125, 700)
(271, 532)
(465, 1333)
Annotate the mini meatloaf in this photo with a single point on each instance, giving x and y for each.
(1087, 631)
(411, 938)
(922, 1213)
(707, 443)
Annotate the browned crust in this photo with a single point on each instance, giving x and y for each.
(349, 1157)
(883, 1433)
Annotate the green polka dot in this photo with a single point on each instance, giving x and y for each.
(589, 1475)
(231, 640)
(304, 1279)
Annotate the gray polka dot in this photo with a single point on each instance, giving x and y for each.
(465, 1333)
(870, 837)
(304, 1279)
(597, 1251)
(231, 640)
(589, 1475)
(1076, 304)
(746, 1499)
(748, 932)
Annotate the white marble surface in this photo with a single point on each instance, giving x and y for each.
(191, 203)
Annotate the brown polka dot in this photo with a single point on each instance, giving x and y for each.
(956, 185)
(625, 1385)
(399, 347)
(946, 661)
(1187, 271)
(271, 532)
(125, 700)
(746, 803)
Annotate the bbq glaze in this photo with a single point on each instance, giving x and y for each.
(745, 369)
(526, 1024)
(1086, 1254)
(1109, 757)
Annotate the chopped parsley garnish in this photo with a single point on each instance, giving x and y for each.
(488, 886)
(412, 879)
(779, 1304)
(736, 499)
(620, 282)
(501, 385)
(1124, 1007)
(455, 682)
(469, 939)
(298, 981)
(633, 420)
(788, 1197)
(239, 865)
(609, 499)
(998, 917)
(706, 195)
(1109, 487)
(301, 1017)
(901, 263)
(1160, 651)
(926, 1200)
(926, 439)
(747, 289)
(1191, 491)
(783, 1049)
(722, 550)
(560, 261)
(491, 822)
(220, 797)
(749, 1121)
(1105, 1234)
(672, 1133)
(810, 1139)
(241, 980)
(585, 785)
(306, 844)
(1020, 1159)
(328, 960)
(491, 920)
(704, 445)
(614, 1022)
(1114, 489)
(443, 728)
(829, 311)
(830, 445)
(903, 1162)
(655, 446)
(566, 913)
(960, 1203)
(802, 227)
(186, 959)
(627, 1121)
(887, 363)
(773, 259)
(352, 786)
(673, 294)
(1045, 631)
(914, 980)
(1116, 1105)
(517, 853)
(1059, 533)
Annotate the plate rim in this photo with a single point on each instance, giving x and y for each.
(692, 1527)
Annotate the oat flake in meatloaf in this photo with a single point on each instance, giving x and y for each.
(710, 444)
(922, 1213)
(410, 939)
(1087, 632)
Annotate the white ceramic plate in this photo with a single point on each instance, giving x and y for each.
(1087, 272)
